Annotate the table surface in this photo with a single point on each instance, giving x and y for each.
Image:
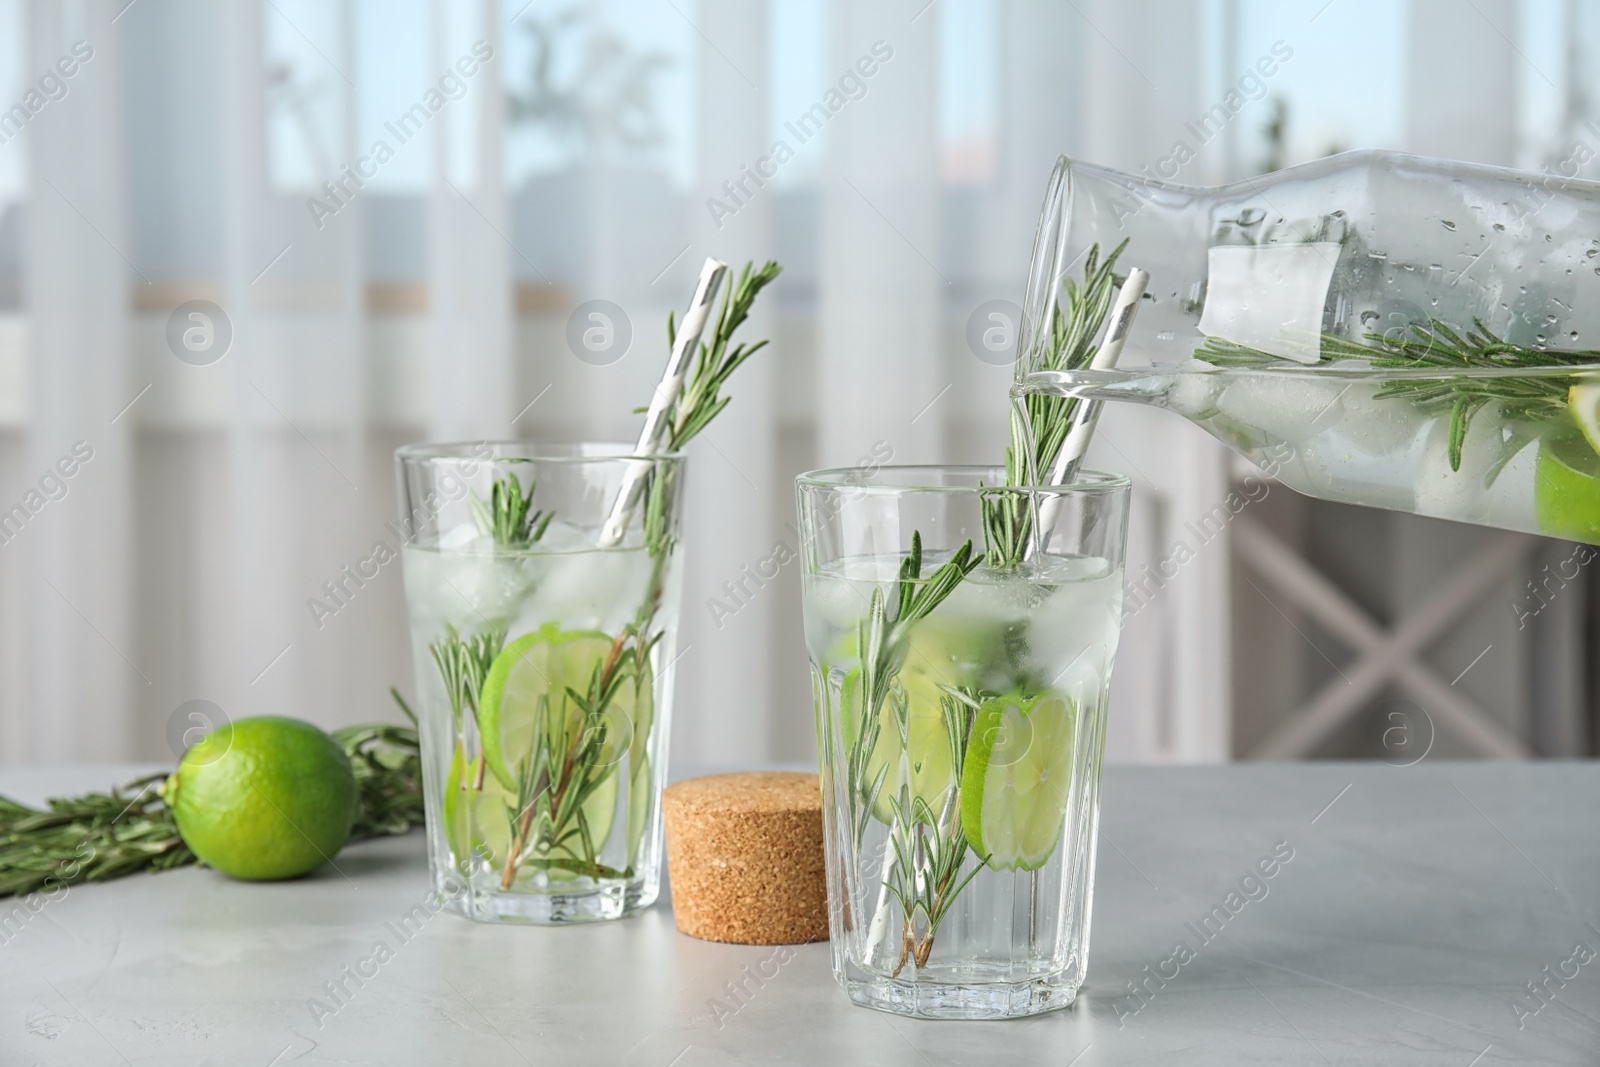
(1417, 904)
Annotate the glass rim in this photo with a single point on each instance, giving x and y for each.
(528, 450)
(1086, 482)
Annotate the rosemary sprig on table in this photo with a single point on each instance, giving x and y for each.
(1437, 345)
(100, 836)
(508, 516)
(1075, 322)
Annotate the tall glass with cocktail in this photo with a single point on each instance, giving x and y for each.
(543, 584)
(961, 704)
(543, 655)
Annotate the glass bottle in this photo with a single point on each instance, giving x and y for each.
(1373, 328)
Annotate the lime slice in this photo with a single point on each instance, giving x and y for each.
(525, 702)
(925, 753)
(525, 698)
(639, 789)
(478, 822)
(943, 651)
(1016, 779)
(456, 829)
(1584, 403)
(475, 820)
(1566, 493)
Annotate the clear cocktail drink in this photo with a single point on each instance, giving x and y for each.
(543, 664)
(961, 717)
(1392, 438)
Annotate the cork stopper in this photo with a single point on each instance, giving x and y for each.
(745, 855)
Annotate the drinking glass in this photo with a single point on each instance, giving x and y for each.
(544, 619)
(961, 704)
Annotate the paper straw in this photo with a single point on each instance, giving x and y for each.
(653, 438)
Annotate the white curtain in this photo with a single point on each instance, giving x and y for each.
(429, 299)
(75, 652)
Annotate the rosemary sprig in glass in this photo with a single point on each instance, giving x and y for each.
(508, 516)
(569, 762)
(463, 665)
(882, 642)
(927, 850)
(930, 847)
(1075, 321)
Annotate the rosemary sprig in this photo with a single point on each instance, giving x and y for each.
(100, 836)
(882, 643)
(90, 838)
(463, 665)
(701, 400)
(566, 767)
(930, 848)
(1439, 346)
(387, 764)
(1075, 321)
(508, 516)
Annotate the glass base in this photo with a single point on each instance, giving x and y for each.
(949, 1000)
(609, 900)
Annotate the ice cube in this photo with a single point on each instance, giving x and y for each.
(594, 590)
(1466, 494)
(1194, 388)
(465, 537)
(467, 588)
(1377, 425)
(1073, 633)
(1290, 407)
(562, 536)
(996, 595)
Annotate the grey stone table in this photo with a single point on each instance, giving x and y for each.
(1418, 906)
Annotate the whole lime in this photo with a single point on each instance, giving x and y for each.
(266, 797)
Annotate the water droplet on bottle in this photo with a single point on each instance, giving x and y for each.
(1369, 316)
(1379, 256)
(1500, 227)
(1592, 253)
(1435, 266)
(1573, 336)
(1447, 224)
